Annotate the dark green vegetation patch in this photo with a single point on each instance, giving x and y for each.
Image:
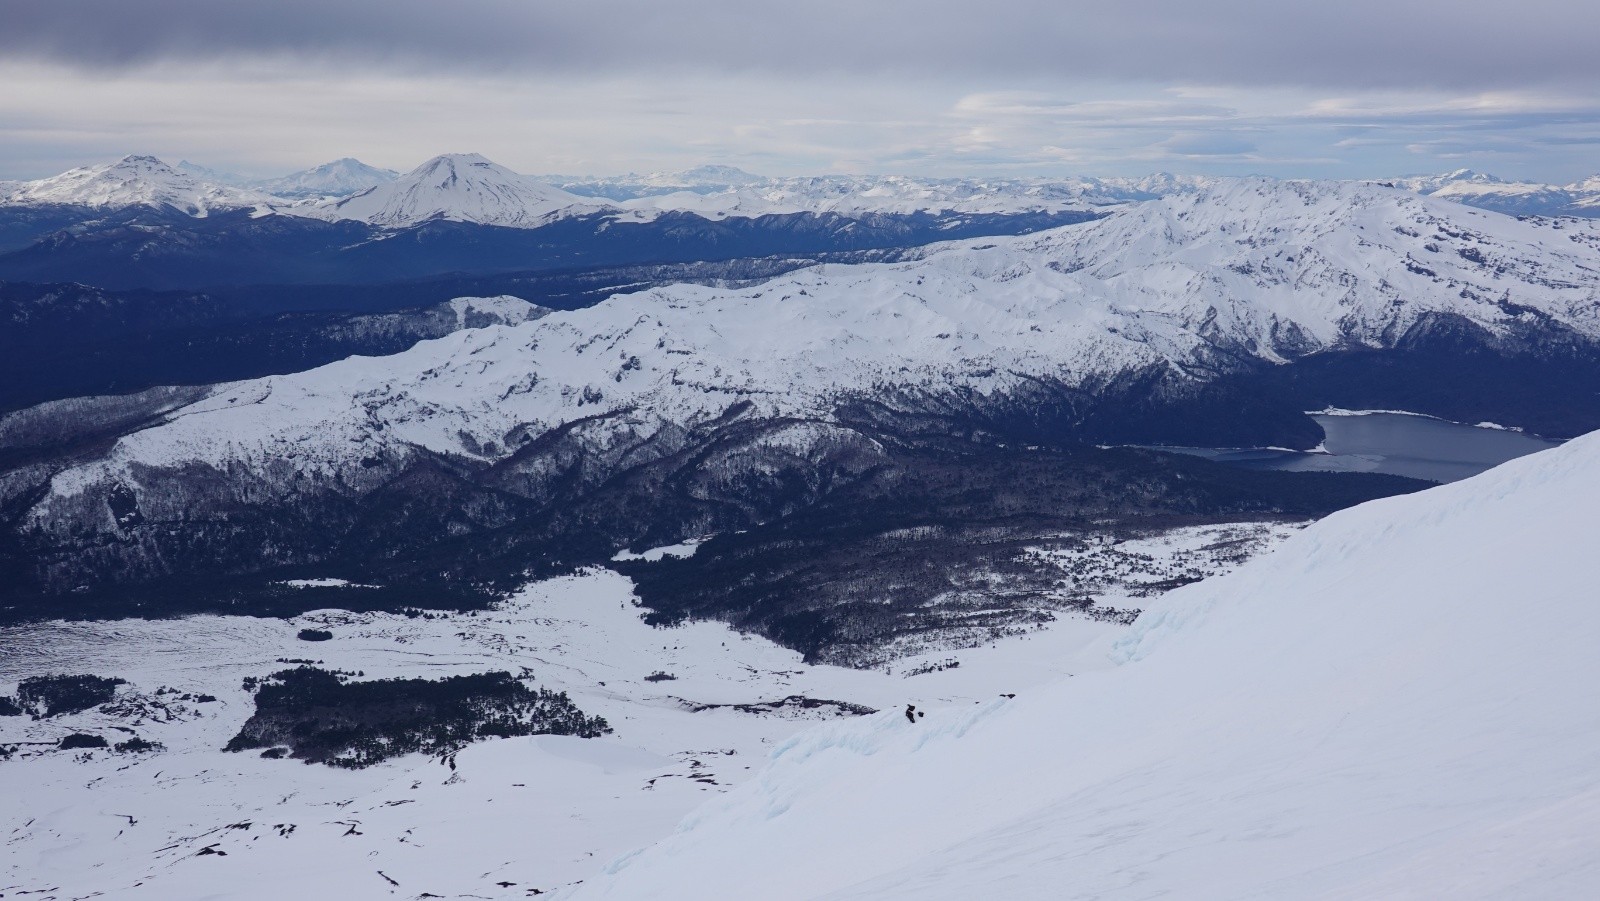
(81, 740)
(324, 718)
(45, 696)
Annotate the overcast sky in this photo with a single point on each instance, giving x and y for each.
(1343, 88)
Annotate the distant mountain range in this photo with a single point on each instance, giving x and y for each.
(466, 187)
(1581, 198)
(339, 178)
(139, 223)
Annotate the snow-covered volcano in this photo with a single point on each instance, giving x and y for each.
(132, 181)
(1403, 701)
(339, 178)
(458, 187)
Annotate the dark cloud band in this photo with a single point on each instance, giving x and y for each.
(1447, 44)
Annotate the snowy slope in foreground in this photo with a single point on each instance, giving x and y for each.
(1402, 701)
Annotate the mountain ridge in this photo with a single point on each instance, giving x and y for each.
(1161, 324)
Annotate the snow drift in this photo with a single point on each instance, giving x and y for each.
(1403, 701)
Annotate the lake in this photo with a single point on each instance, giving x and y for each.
(1399, 444)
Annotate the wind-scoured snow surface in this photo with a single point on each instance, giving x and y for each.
(131, 181)
(458, 187)
(1403, 701)
(1251, 269)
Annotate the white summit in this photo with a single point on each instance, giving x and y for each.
(131, 181)
(340, 178)
(458, 187)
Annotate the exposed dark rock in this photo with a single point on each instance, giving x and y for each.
(137, 745)
(793, 705)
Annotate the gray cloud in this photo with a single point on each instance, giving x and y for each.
(1287, 87)
(1207, 144)
(1443, 44)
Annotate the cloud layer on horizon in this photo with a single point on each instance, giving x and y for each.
(1026, 86)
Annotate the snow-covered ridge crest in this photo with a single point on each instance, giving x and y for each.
(132, 181)
(1283, 268)
(1399, 702)
(457, 187)
(1248, 271)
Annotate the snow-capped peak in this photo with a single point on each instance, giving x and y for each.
(134, 180)
(704, 177)
(459, 187)
(1428, 184)
(340, 178)
(1590, 185)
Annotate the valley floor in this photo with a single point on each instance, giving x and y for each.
(507, 818)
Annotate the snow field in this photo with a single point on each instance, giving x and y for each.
(1401, 701)
(541, 812)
